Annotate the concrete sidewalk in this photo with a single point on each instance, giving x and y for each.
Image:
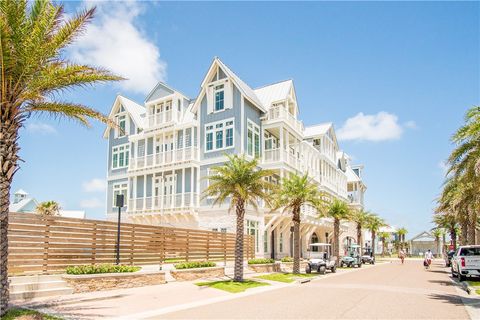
(137, 303)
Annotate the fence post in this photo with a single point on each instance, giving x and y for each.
(132, 247)
(187, 251)
(208, 246)
(46, 245)
(224, 240)
(94, 243)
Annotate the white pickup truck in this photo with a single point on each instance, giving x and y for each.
(466, 262)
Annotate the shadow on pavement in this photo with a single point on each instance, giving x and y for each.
(457, 300)
(443, 282)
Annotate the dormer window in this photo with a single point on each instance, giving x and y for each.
(122, 124)
(219, 94)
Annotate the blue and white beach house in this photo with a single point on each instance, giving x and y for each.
(171, 142)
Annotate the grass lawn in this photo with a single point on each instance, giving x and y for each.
(285, 277)
(232, 286)
(16, 313)
(474, 283)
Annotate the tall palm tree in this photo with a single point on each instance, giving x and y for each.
(294, 192)
(402, 232)
(449, 223)
(384, 237)
(360, 217)
(242, 183)
(374, 223)
(48, 208)
(437, 233)
(339, 211)
(34, 71)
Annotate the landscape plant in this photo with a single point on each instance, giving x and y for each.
(374, 223)
(34, 73)
(195, 264)
(100, 268)
(48, 208)
(339, 211)
(261, 261)
(241, 182)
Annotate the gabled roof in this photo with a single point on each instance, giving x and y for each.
(18, 207)
(242, 86)
(274, 92)
(136, 111)
(316, 130)
(167, 87)
(21, 191)
(351, 175)
(423, 236)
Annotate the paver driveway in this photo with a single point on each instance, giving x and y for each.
(390, 291)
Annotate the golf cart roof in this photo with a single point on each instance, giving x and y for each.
(318, 244)
(355, 246)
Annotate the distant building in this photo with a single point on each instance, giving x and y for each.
(24, 203)
(389, 245)
(422, 242)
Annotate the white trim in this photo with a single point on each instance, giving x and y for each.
(119, 186)
(255, 126)
(224, 138)
(126, 160)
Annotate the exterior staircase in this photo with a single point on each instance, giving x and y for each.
(38, 286)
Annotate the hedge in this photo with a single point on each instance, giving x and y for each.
(100, 268)
(287, 259)
(195, 264)
(261, 261)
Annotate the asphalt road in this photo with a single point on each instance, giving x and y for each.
(389, 291)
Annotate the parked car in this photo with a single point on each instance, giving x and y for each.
(321, 259)
(466, 262)
(352, 258)
(367, 258)
(448, 258)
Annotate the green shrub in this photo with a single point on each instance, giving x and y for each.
(287, 259)
(101, 268)
(195, 264)
(260, 261)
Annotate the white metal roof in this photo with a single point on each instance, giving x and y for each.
(136, 111)
(274, 92)
(317, 130)
(79, 214)
(351, 175)
(21, 191)
(17, 207)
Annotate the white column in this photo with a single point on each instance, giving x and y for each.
(134, 196)
(191, 185)
(153, 192)
(161, 193)
(163, 147)
(175, 146)
(144, 192)
(174, 189)
(184, 144)
(281, 143)
(183, 188)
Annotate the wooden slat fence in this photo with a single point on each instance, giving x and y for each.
(40, 244)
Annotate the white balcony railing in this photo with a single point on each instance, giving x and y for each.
(161, 118)
(280, 113)
(165, 202)
(164, 158)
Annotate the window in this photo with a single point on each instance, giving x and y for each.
(222, 132)
(120, 156)
(122, 126)
(120, 188)
(253, 139)
(223, 230)
(280, 243)
(265, 242)
(252, 229)
(219, 98)
(271, 142)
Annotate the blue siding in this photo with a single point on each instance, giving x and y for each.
(109, 205)
(253, 114)
(160, 91)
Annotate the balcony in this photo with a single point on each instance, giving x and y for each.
(355, 198)
(161, 118)
(279, 113)
(164, 158)
(174, 202)
(275, 155)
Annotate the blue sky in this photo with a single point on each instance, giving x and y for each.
(395, 78)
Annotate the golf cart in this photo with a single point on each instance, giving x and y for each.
(352, 258)
(320, 260)
(368, 257)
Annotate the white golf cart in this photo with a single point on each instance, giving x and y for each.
(320, 258)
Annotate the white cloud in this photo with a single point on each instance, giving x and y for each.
(113, 41)
(94, 185)
(40, 127)
(91, 203)
(411, 124)
(375, 127)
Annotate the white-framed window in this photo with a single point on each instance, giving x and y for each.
(271, 142)
(280, 243)
(219, 95)
(253, 139)
(252, 229)
(265, 241)
(120, 156)
(120, 188)
(122, 124)
(219, 135)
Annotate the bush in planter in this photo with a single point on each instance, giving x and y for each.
(195, 264)
(261, 261)
(287, 259)
(100, 268)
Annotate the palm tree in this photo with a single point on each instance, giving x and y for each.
(402, 232)
(242, 183)
(437, 233)
(34, 71)
(384, 237)
(338, 210)
(294, 192)
(360, 217)
(374, 223)
(448, 222)
(48, 208)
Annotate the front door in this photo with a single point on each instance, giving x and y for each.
(168, 190)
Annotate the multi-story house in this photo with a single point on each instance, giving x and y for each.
(161, 152)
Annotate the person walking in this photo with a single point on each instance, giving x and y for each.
(401, 255)
(428, 259)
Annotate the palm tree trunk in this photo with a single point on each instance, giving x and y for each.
(240, 230)
(8, 160)
(453, 236)
(472, 226)
(374, 235)
(383, 247)
(336, 237)
(359, 234)
(296, 240)
(464, 229)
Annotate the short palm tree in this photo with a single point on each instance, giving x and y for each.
(384, 237)
(48, 208)
(448, 222)
(294, 192)
(437, 233)
(402, 232)
(374, 223)
(243, 183)
(339, 211)
(34, 71)
(360, 217)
